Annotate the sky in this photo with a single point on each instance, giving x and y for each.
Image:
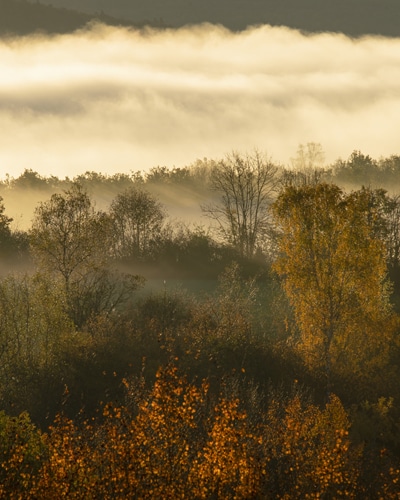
(113, 100)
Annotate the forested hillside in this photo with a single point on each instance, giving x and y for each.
(21, 17)
(352, 17)
(264, 364)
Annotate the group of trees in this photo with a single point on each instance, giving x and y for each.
(174, 441)
(69, 240)
(363, 169)
(287, 369)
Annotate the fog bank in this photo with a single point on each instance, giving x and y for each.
(113, 100)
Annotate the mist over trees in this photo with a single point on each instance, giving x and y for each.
(142, 344)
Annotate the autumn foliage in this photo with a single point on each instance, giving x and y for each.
(278, 382)
(176, 441)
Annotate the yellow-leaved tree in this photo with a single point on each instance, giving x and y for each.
(332, 263)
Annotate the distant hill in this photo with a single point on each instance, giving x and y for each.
(20, 17)
(352, 17)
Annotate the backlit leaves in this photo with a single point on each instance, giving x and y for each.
(178, 442)
(332, 263)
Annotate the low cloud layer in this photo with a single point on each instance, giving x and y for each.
(113, 100)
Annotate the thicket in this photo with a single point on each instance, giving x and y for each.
(109, 389)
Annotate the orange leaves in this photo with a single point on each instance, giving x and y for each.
(310, 450)
(178, 444)
(65, 472)
(166, 433)
(21, 448)
(227, 466)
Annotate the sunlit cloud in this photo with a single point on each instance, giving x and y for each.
(114, 100)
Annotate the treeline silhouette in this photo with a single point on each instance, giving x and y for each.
(354, 18)
(21, 17)
(261, 362)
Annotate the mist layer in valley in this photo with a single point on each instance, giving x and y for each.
(117, 100)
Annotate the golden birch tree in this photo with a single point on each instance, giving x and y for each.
(333, 268)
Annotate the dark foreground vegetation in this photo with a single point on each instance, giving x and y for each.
(252, 354)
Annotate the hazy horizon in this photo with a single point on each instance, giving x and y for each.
(113, 100)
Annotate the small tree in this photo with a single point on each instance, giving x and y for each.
(309, 157)
(6, 238)
(68, 235)
(137, 223)
(246, 185)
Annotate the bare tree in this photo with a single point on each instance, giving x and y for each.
(307, 167)
(246, 184)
